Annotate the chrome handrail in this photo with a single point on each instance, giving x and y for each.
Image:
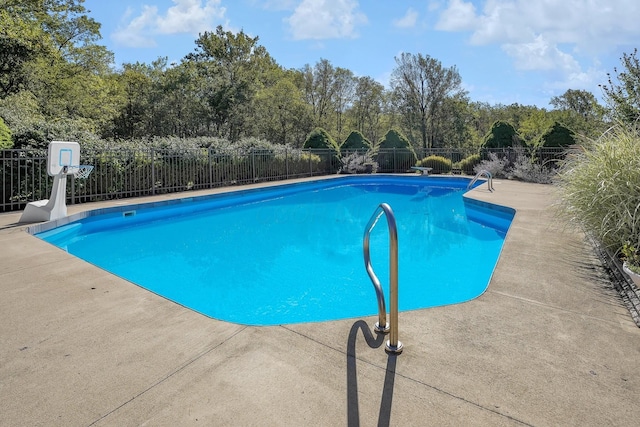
(478, 175)
(382, 326)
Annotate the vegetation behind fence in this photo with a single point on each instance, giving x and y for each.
(122, 173)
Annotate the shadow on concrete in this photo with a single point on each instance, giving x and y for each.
(373, 341)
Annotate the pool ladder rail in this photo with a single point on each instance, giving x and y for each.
(485, 173)
(382, 326)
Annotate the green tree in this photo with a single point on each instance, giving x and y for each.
(580, 110)
(344, 84)
(320, 139)
(532, 128)
(281, 115)
(368, 107)
(557, 136)
(356, 141)
(21, 41)
(395, 149)
(318, 89)
(135, 83)
(623, 95)
(501, 135)
(420, 85)
(5, 136)
(454, 124)
(230, 66)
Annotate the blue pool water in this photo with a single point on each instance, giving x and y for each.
(293, 253)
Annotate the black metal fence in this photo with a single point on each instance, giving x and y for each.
(122, 173)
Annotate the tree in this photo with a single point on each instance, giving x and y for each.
(420, 85)
(230, 67)
(395, 149)
(320, 139)
(454, 123)
(356, 141)
(318, 89)
(579, 110)
(281, 115)
(344, 84)
(5, 136)
(501, 135)
(21, 41)
(135, 82)
(532, 128)
(623, 96)
(557, 136)
(368, 107)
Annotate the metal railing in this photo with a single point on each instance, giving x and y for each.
(121, 173)
(393, 344)
(484, 173)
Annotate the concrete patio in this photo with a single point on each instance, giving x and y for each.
(549, 343)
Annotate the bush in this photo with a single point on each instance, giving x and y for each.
(557, 136)
(356, 141)
(599, 187)
(527, 170)
(439, 164)
(399, 160)
(496, 166)
(501, 135)
(320, 138)
(467, 164)
(359, 163)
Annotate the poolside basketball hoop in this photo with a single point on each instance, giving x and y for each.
(63, 158)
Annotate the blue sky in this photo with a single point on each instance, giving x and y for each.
(506, 51)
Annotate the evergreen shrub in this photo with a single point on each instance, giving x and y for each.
(439, 164)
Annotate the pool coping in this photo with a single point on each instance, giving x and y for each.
(548, 343)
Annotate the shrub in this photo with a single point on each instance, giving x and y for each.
(599, 187)
(496, 166)
(527, 170)
(402, 159)
(468, 163)
(557, 135)
(439, 164)
(320, 138)
(359, 163)
(501, 135)
(356, 141)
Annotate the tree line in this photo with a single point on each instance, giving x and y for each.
(57, 81)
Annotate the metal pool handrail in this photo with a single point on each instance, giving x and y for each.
(393, 345)
(478, 175)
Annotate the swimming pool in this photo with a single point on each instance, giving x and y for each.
(293, 253)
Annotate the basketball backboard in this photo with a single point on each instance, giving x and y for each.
(61, 154)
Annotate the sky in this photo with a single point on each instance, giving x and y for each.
(506, 51)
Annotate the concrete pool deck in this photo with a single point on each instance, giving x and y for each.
(549, 343)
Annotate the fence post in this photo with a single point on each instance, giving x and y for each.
(394, 160)
(210, 160)
(253, 165)
(153, 173)
(73, 190)
(286, 161)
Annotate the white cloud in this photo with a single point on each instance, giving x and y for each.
(326, 19)
(408, 20)
(559, 37)
(458, 16)
(539, 54)
(589, 25)
(133, 35)
(186, 16)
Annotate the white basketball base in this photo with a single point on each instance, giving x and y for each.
(63, 159)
